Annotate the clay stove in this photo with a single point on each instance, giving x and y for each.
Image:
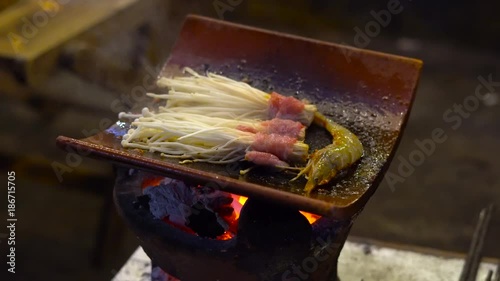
(262, 240)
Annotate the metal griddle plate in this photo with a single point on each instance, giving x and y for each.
(368, 92)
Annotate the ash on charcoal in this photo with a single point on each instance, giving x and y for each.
(200, 208)
(172, 199)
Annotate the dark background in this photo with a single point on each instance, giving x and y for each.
(67, 228)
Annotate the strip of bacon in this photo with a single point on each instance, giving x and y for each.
(285, 107)
(280, 146)
(277, 126)
(284, 127)
(264, 159)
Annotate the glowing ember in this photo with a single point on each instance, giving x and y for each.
(230, 218)
(310, 217)
(179, 226)
(151, 181)
(239, 201)
(226, 236)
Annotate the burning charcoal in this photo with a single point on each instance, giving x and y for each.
(217, 202)
(220, 201)
(212, 198)
(171, 198)
(190, 206)
(225, 211)
(204, 222)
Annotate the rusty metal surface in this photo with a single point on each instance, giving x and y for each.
(368, 92)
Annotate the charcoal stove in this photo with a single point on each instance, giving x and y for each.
(273, 239)
(271, 242)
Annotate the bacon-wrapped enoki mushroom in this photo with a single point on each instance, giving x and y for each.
(199, 138)
(219, 96)
(218, 120)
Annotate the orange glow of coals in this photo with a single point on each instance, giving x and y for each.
(151, 181)
(226, 236)
(310, 217)
(242, 200)
(231, 219)
(239, 201)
